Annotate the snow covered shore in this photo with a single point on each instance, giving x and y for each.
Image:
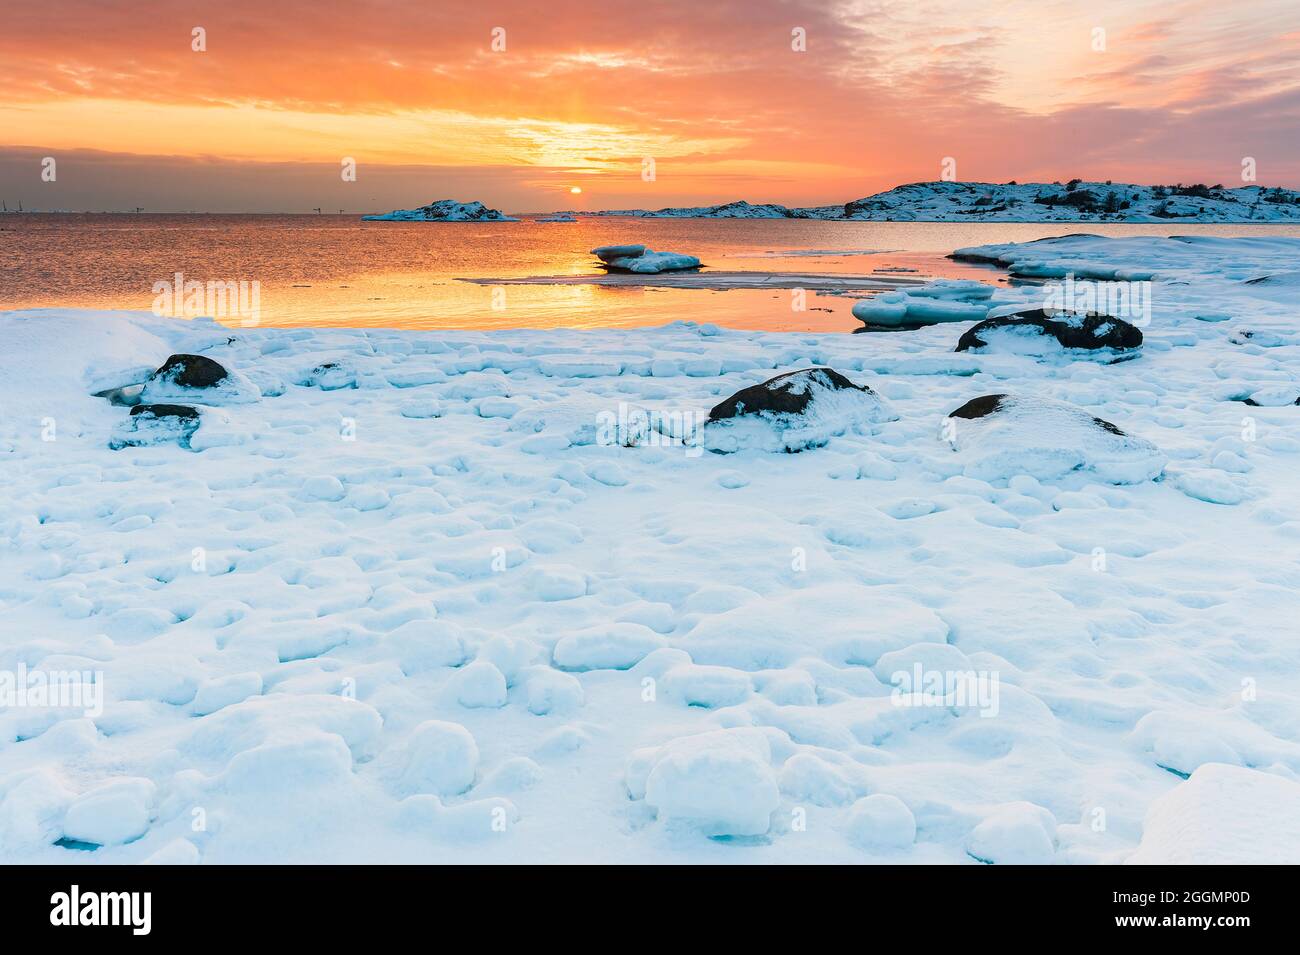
(477, 596)
(1074, 201)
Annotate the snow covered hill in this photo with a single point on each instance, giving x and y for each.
(1074, 201)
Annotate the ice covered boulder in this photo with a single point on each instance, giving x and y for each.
(1002, 436)
(1041, 333)
(720, 782)
(155, 424)
(607, 253)
(792, 412)
(1224, 815)
(199, 379)
(445, 210)
(639, 259)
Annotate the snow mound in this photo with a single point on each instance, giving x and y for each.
(881, 821)
(793, 412)
(441, 759)
(999, 437)
(1018, 833)
(110, 814)
(720, 782)
(445, 210)
(1224, 815)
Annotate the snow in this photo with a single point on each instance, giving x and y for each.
(881, 821)
(527, 624)
(946, 300)
(445, 210)
(1224, 815)
(720, 783)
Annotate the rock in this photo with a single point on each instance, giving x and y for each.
(792, 412)
(1003, 436)
(608, 252)
(191, 371)
(1034, 331)
(165, 411)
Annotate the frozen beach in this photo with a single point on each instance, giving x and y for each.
(481, 596)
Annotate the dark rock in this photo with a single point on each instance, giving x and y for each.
(165, 411)
(784, 394)
(1071, 331)
(986, 405)
(191, 371)
(978, 407)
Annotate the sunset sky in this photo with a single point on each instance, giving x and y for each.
(712, 90)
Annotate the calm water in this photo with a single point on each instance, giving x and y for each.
(338, 270)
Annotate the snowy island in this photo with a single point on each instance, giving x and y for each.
(1073, 201)
(445, 210)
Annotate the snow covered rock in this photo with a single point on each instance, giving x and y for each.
(155, 424)
(445, 210)
(792, 412)
(199, 379)
(1040, 333)
(720, 782)
(1224, 815)
(441, 758)
(329, 376)
(1001, 436)
(191, 371)
(639, 259)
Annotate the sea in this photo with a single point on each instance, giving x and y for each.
(336, 270)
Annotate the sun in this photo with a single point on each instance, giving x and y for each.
(576, 190)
